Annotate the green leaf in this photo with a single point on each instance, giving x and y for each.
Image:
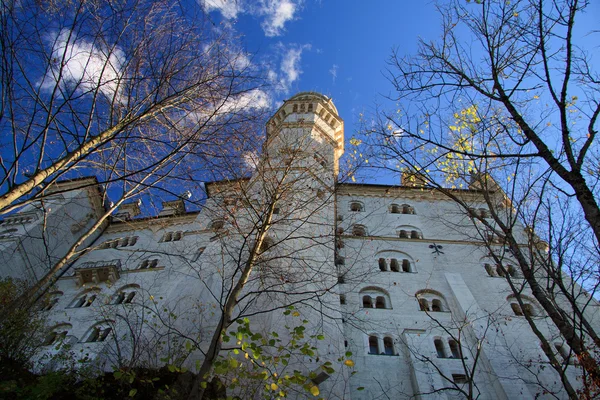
(132, 392)
(360, 388)
(320, 337)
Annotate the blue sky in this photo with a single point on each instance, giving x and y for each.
(338, 48)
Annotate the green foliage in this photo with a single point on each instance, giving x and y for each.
(22, 328)
(263, 363)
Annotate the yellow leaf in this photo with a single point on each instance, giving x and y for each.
(536, 97)
(314, 390)
(353, 179)
(515, 14)
(349, 363)
(296, 314)
(274, 386)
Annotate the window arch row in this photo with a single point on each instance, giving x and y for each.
(381, 345)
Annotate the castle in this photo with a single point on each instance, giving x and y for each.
(395, 278)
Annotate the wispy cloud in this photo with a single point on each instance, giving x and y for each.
(277, 13)
(274, 13)
(333, 71)
(289, 70)
(87, 67)
(228, 8)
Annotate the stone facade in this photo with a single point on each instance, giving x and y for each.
(396, 275)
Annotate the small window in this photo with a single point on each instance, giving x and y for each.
(373, 345)
(359, 230)
(57, 335)
(489, 269)
(380, 302)
(342, 299)
(415, 235)
(460, 379)
(516, 309)
(382, 264)
(99, 334)
(356, 206)
(295, 108)
(529, 310)
(454, 348)
(500, 270)
(388, 346)
(436, 305)
(403, 234)
(341, 279)
(405, 265)
(423, 305)
(217, 224)
(484, 213)
(51, 300)
(149, 264)
(276, 211)
(339, 261)
(367, 302)
(511, 271)
(340, 231)
(84, 300)
(406, 209)
(394, 265)
(310, 107)
(439, 348)
(395, 209)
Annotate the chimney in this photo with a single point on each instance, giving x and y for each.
(128, 211)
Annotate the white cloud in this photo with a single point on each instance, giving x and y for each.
(333, 71)
(87, 67)
(277, 13)
(274, 13)
(228, 8)
(290, 70)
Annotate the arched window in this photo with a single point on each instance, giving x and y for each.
(356, 206)
(436, 305)
(489, 269)
(511, 271)
(266, 244)
(406, 265)
(373, 345)
(394, 265)
(484, 213)
(85, 299)
(359, 230)
(429, 297)
(99, 333)
(423, 305)
(217, 224)
(388, 346)
(516, 309)
(374, 297)
(409, 232)
(150, 263)
(382, 264)
(499, 270)
(57, 335)
(126, 294)
(439, 348)
(454, 348)
(395, 209)
(529, 308)
(406, 209)
(50, 300)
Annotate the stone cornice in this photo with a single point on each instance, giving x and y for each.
(152, 222)
(407, 192)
